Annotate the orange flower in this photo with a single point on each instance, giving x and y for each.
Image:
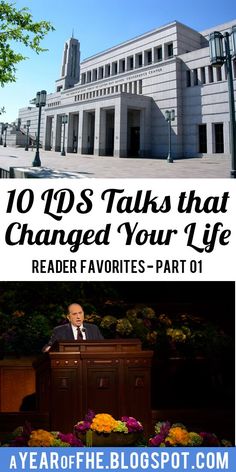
(40, 438)
(103, 423)
(178, 436)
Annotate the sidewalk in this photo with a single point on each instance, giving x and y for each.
(82, 166)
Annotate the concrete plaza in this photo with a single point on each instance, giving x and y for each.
(53, 165)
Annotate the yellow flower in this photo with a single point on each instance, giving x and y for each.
(103, 423)
(178, 436)
(40, 438)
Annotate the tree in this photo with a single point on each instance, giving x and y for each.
(18, 26)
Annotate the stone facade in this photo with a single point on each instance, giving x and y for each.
(116, 100)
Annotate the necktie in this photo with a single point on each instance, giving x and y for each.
(79, 334)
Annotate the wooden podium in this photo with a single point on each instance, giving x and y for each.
(105, 376)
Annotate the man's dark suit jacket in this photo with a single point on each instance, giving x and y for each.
(65, 333)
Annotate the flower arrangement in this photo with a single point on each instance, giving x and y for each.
(177, 435)
(105, 425)
(25, 436)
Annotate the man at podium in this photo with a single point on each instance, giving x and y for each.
(76, 329)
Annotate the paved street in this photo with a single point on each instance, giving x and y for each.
(81, 166)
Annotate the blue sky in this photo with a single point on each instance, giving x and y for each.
(98, 24)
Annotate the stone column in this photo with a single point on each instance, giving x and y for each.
(121, 124)
(69, 146)
(84, 133)
(57, 133)
(209, 138)
(48, 133)
(80, 132)
(97, 132)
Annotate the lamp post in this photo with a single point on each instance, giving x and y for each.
(40, 102)
(27, 135)
(170, 116)
(64, 120)
(220, 53)
(5, 139)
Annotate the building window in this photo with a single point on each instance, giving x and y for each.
(170, 50)
(83, 78)
(107, 70)
(95, 74)
(195, 77)
(159, 53)
(234, 68)
(89, 76)
(218, 132)
(140, 87)
(100, 73)
(218, 74)
(202, 138)
(135, 86)
(114, 68)
(188, 78)
(203, 75)
(139, 60)
(210, 74)
(130, 63)
(148, 57)
(122, 66)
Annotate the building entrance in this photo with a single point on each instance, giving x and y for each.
(88, 132)
(133, 135)
(110, 116)
(219, 137)
(135, 140)
(72, 145)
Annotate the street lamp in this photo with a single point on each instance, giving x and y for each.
(220, 53)
(64, 120)
(170, 116)
(5, 140)
(41, 98)
(27, 126)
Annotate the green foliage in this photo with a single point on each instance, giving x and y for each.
(23, 333)
(30, 310)
(18, 26)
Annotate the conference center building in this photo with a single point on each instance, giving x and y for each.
(116, 102)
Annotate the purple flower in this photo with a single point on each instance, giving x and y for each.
(89, 416)
(70, 439)
(132, 424)
(160, 437)
(82, 426)
(165, 428)
(156, 441)
(210, 439)
(19, 441)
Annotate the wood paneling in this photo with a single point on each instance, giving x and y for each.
(17, 381)
(107, 377)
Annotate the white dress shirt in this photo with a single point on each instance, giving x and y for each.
(74, 329)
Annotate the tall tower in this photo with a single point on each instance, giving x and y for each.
(70, 69)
